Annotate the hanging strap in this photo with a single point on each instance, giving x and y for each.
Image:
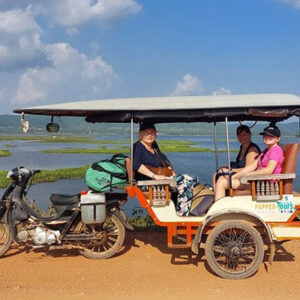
(164, 164)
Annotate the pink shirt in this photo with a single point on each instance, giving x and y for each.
(275, 153)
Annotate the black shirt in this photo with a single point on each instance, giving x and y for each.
(142, 156)
(241, 163)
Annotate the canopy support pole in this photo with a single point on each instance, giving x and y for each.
(228, 157)
(227, 144)
(216, 149)
(131, 149)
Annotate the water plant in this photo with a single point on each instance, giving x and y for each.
(125, 150)
(50, 139)
(4, 153)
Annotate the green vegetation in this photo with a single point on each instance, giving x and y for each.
(144, 223)
(50, 139)
(48, 175)
(167, 146)
(141, 221)
(114, 142)
(4, 153)
(103, 150)
(125, 150)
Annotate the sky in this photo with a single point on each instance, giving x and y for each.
(56, 51)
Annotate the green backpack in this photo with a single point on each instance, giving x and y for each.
(105, 174)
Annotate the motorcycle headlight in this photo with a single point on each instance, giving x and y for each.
(9, 175)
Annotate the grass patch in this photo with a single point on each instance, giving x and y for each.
(48, 175)
(125, 150)
(50, 139)
(175, 142)
(145, 223)
(86, 151)
(141, 221)
(4, 153)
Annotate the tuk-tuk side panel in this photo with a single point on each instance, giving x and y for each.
(270, 211)
(278, 216)
(162, 215)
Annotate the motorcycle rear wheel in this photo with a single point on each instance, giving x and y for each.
(111, 237)
(5, 238)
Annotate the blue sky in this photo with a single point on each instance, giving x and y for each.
(54, 51)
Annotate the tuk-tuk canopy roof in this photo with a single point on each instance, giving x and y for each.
(264, 107)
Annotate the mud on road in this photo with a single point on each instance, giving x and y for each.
(144, 269)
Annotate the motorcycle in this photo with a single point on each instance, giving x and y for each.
(91, 222)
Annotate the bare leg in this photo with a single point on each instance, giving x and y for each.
(221, 170)
(222, 185)
(214, 181)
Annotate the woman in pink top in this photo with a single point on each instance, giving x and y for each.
(268, 162)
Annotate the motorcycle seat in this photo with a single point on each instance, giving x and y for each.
(60, 199)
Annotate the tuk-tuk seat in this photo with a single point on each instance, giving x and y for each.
(157, 191)
(272, 187)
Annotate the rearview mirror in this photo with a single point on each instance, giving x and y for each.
(52, 127)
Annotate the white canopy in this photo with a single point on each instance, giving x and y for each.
(173, 109)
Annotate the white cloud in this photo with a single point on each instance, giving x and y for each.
(32, 85)
(295, 3)
(20, 34)
(222, 91)
(72, 13)
(190, 85)
(20, 42)
(32, 71)
(17, 21)
(71, 75)
(72, 31)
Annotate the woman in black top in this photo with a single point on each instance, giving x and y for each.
(249, 151)
(146, 153)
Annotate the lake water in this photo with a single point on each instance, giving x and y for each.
(27, 154)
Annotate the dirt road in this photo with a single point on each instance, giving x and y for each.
(144, 269)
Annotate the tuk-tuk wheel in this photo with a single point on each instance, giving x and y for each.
(234, 249)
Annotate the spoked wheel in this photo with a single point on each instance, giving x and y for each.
(234, 250)
(109, 238)
(5, 238)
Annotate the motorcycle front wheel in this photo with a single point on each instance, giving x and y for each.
(109, 238)
(5, 238)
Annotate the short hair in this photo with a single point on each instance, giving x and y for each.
(243, 128)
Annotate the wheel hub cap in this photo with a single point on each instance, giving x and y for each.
(235, 251)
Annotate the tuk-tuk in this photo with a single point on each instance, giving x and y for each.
(238, 229)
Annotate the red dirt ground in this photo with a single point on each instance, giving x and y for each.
(144, 269)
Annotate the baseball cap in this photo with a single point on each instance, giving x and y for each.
(147, 125)
(271, 130)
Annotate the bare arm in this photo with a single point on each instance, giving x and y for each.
(251, 156)
(246, 170)
(268, 170)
